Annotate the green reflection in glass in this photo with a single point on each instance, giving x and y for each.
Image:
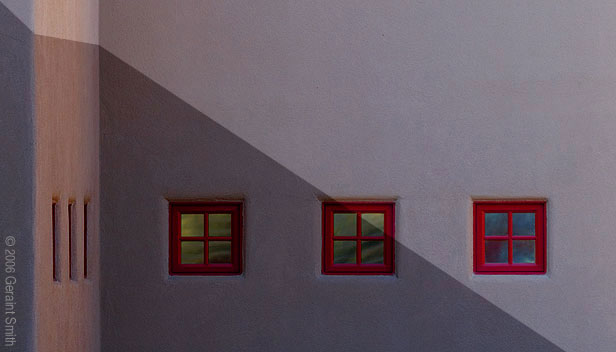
(523, 224)
(345, 224)
(524, 251)
(496, 224)
(192, 252)
(372, 224)
(372, 252)
(192, 225)
(345, 252)
(219, 225)
(219, 252)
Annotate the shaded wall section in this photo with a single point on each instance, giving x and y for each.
(154, 146)
(433, 101)
(21, 9)
(67, 171)
(16, 180)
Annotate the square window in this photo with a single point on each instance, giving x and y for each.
(205, 238)
(509, 237)
(358, 238)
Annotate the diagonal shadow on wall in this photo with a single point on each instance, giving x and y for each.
(154, 146)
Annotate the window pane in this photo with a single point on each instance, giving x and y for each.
(345, 224)
(219, 251)
(192, 225)
(496, 224)
(372, 252)
(497, 252)
(524, 251)
(344, 252)
(219, 225)
(372, 224)
(523, 224)
(192, 252)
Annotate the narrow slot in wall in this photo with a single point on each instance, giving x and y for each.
(71, 238)
(85, 239)
(54, 241)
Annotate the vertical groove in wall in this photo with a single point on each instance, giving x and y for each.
(67, 169)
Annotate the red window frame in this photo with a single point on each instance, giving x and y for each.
(175, 211)
(480, 208)
(329, 267)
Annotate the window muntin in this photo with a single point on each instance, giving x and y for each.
(358, 238)
(509, 237)
(205, 238)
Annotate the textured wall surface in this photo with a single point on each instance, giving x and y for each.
(156, 147)
(16, 175)
(50, 151)
(431, 101)
(67, 19)
(23, 10)
(67, 169)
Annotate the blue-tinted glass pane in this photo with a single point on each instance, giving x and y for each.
(497, 252)
(524, 251)
(496, 224)
(372, 224)
(191, 252)
(372, 252)
(219, 252)
(523, 224)
(344, 252)
(345, 224)
(219, 225)
(192, 225)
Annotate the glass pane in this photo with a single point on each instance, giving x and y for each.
(372, 224)
(497, 251)
(219, 225)
(192, 225)
(345, 224)
(524, 251)
(496, 224)
(344, 252)
(372, 252)
(192, 252)
(523, 224)
(219, 252)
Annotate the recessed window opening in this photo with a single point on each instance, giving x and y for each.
(358, 238)
(205, 238)
(509, 237)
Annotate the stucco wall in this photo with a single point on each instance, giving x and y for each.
(16, 181)
(67, 19)
(50, 147)
(434, 102)
(155, 147)
(67, 169)
(21, 9)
